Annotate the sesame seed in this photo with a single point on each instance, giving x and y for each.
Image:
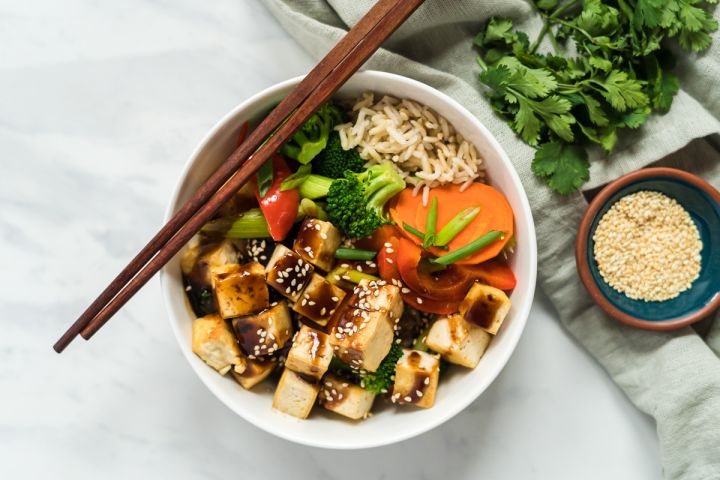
(408, 399)
(419, 300)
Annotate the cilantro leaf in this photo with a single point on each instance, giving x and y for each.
(622, 92)
(565, 166)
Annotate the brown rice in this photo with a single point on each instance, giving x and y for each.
(424, 146)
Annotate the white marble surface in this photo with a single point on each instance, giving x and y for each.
(100, 104)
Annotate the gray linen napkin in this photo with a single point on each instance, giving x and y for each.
(673, 377)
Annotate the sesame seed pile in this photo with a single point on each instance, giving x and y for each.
(647, 247)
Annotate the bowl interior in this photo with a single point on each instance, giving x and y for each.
(459, 387)
(705, 212)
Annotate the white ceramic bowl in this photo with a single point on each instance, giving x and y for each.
(460, 386)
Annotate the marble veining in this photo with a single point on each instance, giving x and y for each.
(100, 105)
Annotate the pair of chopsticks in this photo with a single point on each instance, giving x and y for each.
(314, 90)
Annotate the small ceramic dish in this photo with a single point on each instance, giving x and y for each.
(702, 202)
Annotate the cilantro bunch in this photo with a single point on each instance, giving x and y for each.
(621, 73)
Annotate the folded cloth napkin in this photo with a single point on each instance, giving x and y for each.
(673, 377)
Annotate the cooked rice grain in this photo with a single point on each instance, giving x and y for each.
(424, 146)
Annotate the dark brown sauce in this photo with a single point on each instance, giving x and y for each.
(418, 386)
(309, 238)
(246, 333)
(481, 311)
(287, 265)
(332, 399)
(318, 305)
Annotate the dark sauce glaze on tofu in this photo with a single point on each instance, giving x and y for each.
(290, 274)
(321, 305)
(481, 311)
(309, 245)
(420, 382)
(248, 336)
(334, 392)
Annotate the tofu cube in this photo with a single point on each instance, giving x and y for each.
(319, 300)
(255, 372)
(215, 344)
(198, 261)
(486, 307)
(317, 241)
(288, 273)
(344, 398)
(310, 353)
(265, 333)
(295, 395)
(416, 379)
(362, 333)
(458, 341)
(240, 289)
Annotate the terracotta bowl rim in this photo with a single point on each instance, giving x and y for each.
(581, 249)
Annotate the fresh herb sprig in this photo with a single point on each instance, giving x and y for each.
(622, 73)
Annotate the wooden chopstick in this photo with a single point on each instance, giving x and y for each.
(221, 175)
(342, 61)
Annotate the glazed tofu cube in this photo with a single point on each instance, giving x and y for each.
(255, 372)
(310, 353)
(295, 395)
(317, 241)
(486, 307)
(265, 333)
(344, 398)
(362, 333)
(214, 343)
(240, 289)
(416, 379)
(319, 300)
(198, 261)
(458, 341)
(288, 273)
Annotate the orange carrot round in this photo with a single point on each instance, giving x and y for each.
(495, 214)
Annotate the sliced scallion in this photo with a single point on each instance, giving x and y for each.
(469, 249)
(296, 179)
(456, 225)
(431, 224)
(413, 230)
(354, 254)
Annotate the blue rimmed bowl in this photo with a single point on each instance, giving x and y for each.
(702, 202)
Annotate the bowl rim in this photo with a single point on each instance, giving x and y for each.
(581, 246)
(521, 314)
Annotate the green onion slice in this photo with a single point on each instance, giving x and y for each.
(456, 225)
(469, 249)
(354, 254)
(431, 223)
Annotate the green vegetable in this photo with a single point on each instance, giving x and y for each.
(265, 178)
(338, 275)
(413, 230)
(354, 254)
(312, 137)
(333, 162)
(456, 225)
(468, 249)
(249, 224)
(381, 380)
(309, 208)
(355, 202)
(315, 186)
(430, 224)
(622, 73)
(296, 179)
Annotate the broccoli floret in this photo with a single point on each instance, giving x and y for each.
(312, 137)
(381, 380)
(355, 203)
(333, 162)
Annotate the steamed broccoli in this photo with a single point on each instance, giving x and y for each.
(333, 162)
(355, 203)
(312, 137)
(381, 380)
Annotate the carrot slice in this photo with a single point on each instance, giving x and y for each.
(495, 214)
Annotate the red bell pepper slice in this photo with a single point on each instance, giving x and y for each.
(494, 273)
(279, 208)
